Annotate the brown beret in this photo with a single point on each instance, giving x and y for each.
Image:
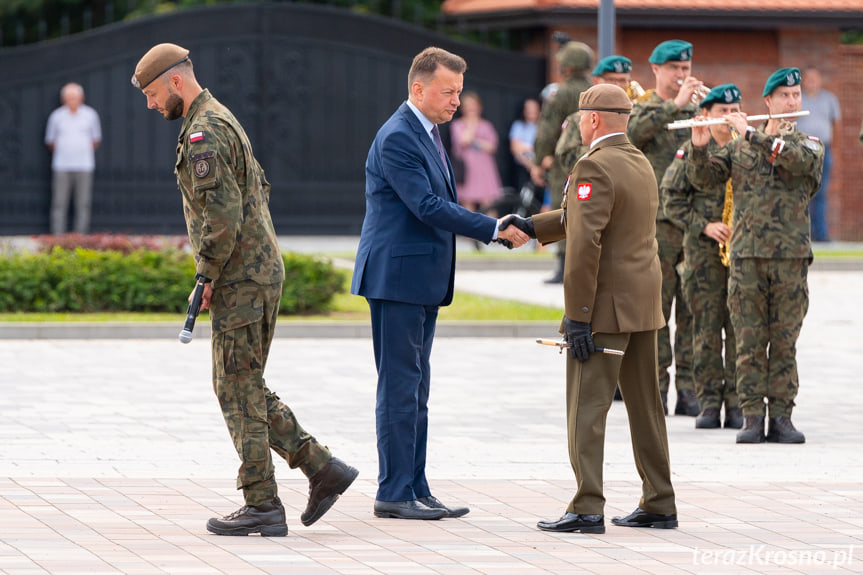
(158, 60)
(605, 98)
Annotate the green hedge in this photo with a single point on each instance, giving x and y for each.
(82, 280)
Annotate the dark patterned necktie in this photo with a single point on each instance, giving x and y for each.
(438, 143)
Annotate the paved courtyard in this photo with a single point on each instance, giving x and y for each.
(113, 454)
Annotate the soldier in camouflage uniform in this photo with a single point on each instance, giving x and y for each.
(671, 63)
(775, 170)
(237, 256)
(575, 59)
(610, 70)
(698, 213)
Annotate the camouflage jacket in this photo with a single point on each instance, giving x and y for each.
(570, 146)
(225, 198)
(648, 131)
(771, 199)
(554, 111)
(686, 206)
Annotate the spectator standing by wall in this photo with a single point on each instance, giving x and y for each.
(474, 141)
(822, 122)
(73, 133)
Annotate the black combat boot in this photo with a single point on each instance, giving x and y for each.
(557, 278)
(325, 486)
(268, 519)
(753, 429)
(781, 430)
(708, 419)
(687, 403)
(733, 418)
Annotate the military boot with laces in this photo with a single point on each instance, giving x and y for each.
(268, 519)
(753, 429)
(781, 430)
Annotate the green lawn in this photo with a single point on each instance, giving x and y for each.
(346, 307)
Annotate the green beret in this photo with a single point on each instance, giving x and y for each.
(613, 65)
(781, 77)
(605, 98)
(722, 94)
(671, 51)
(158, 60)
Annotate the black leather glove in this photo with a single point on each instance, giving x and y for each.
(524, 224)
(505, 243)
(579, 337)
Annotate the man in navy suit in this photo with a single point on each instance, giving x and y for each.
(404, 268)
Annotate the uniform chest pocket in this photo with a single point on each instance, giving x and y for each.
(746, 159)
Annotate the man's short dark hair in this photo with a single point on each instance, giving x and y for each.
(426, 62)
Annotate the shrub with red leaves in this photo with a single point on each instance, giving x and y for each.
(110, 242)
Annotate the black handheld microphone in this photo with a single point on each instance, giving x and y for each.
(192, 312)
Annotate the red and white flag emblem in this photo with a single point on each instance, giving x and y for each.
(583, 191)
(196, 137)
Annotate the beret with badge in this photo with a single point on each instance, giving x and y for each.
(605, 98)
(613, 65)
(671, 51)
(158, 60)
(781, 77)
(722, 94)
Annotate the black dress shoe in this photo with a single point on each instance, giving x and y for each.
(573, 522)
(325, 486)
(708, 419)
(781, 430)
(432, 502)
(641, 518)
(412, 509)
(268, 519)
(687, 403)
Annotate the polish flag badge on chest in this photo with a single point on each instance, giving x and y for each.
(583, 191)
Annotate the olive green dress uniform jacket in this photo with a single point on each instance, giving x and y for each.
(612, 277)
(225, 198)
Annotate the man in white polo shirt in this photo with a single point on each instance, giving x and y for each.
(73, 134)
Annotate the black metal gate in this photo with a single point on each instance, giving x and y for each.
(310, 84)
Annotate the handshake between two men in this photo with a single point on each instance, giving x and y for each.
(577, 334)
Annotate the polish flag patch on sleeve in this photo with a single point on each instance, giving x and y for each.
(583, 191)
(196, 137)
(679, 153)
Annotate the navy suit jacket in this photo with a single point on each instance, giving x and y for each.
(407, 245)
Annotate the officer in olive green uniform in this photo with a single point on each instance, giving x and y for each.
(671, 63)
(575, 59)
(237, 256)
(698, 212)
(615, 70)
(774, 170)
(612, 297)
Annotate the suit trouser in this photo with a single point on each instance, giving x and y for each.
(669, 240)
(63, 185)
(589, 392)
(244, 320)
(402, 334)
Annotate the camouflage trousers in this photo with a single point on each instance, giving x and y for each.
(768, 299)
(243, 317)
(705, 289)
(670, 241)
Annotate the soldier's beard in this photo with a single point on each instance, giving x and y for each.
(173, 107)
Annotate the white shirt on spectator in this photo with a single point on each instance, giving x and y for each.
(73, 136)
